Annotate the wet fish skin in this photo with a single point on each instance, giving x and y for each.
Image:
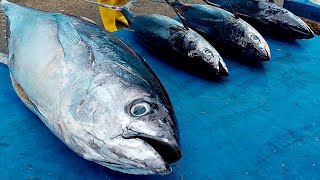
(91, 90)
(167, 35)
(269, 18)
(227, 33)
(163, 34)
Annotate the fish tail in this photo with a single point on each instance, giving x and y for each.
(123, 9)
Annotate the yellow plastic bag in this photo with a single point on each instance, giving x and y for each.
(109, 17)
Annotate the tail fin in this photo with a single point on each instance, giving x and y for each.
(174, 5)
(123, 9)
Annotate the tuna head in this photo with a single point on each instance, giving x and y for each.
(289, 25)
(257, 46)
(116, 118)
(201, 51)
(253, 45)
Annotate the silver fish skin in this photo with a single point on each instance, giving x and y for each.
(91, 90)
(165, 34)
(160, 33)
(227, 33)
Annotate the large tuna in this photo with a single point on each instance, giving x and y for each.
(91, 90)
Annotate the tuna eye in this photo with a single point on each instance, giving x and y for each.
(254, 38)
(140, 109)
(207, 52)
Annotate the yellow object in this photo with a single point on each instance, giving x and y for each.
(109, 16)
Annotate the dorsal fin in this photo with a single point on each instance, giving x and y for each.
(233, 11)
(211, 3)
(183, 20)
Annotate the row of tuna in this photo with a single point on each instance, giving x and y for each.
(100, 98)
(205, 28)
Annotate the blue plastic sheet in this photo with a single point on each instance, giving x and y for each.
(304, 8)
(260, 122)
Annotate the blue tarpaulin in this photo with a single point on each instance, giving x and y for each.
(304, 8)
(260, 122)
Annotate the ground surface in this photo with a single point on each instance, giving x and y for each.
(83, 8)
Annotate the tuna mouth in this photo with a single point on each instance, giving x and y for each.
(168, 152)
(167, 148)
(303, 33)
(264, 54)
(219, 69)
(223, 70)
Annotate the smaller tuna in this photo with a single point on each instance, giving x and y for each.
(269, 18)
(163, 34)
(228, 33)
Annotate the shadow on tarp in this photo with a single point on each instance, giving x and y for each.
(255, 124)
